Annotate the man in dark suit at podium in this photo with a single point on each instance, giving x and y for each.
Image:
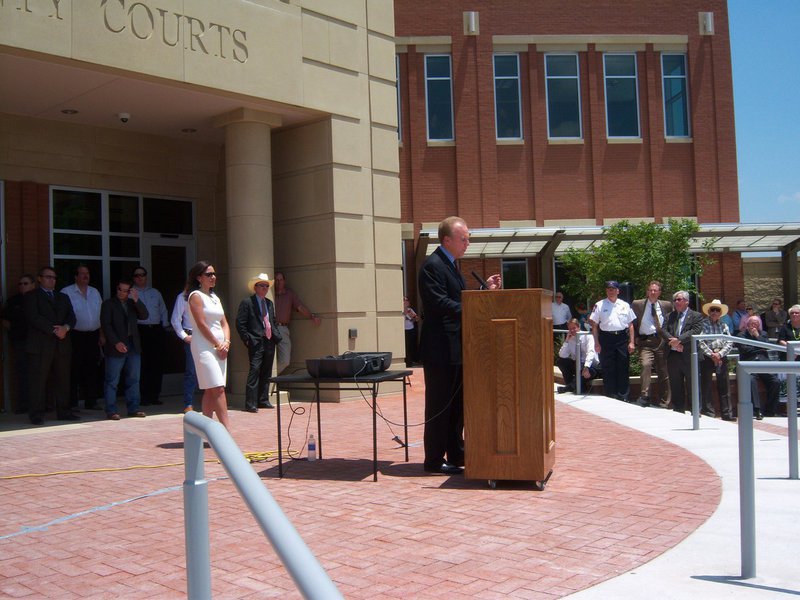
(440, 286)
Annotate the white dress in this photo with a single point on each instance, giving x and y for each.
(211, 370)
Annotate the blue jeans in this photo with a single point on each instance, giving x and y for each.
(189, 377)
(127, 367)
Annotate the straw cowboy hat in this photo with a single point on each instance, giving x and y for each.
(716, 304)
(260, 278)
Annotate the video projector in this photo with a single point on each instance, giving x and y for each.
(349, 365)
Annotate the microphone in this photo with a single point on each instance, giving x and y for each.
(484, 285)
(399, 441)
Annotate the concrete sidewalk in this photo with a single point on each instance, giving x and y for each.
(94, 510)
(707, 564)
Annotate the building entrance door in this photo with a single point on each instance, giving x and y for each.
(168, 262)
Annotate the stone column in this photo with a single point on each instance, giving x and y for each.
(248, 194)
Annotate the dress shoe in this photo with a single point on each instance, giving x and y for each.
(138, 414)
(266, 404)
(728, 418)
(663, 404)
(37, 421)
(251, 409)
(113, 417)
(562, 389)
(643, 401)
(188, 409)
(445, 468)
(757, 415)
(708, 413)
(67, 417)
(678, 410)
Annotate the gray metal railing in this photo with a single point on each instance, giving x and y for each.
(747, 485)
(309, 576)
(792, 350)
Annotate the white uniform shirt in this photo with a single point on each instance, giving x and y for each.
(612, 316)
(86, 309)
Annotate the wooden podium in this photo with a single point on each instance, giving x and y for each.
(509, 402)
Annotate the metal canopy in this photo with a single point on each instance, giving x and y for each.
(521, 242)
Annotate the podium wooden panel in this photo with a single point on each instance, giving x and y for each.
(509, 403)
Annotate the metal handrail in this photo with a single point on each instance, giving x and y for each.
(747, 485)
(309, 576)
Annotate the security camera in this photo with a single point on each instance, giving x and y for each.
(124, 117)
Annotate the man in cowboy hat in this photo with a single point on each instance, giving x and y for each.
(715, 360)
(256, 325)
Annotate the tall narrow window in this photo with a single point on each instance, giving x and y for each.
(397, 86)
(622, 98)
(439, 97)
(676, 96)
(563, 96)
(507, 104)
(515, 273)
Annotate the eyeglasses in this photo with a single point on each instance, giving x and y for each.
(262, 285)
(681, 300)
(714, 310)
(140, 274)
(125, 291)
(209, 274)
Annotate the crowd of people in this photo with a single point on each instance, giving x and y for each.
(661, 331)
(71, 345)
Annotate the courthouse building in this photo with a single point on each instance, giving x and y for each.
(264, 134)
(257, 134)
(541, 122)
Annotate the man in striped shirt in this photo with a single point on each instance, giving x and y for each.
(715, 360)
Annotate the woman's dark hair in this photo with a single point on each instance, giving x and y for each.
(191, 281)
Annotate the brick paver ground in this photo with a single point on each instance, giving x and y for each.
(617, 499)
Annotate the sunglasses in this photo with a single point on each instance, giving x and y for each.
(262, 285)
(209, 274)
(140, 274)
(714, 310)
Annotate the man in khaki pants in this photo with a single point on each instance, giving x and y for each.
(651, 313)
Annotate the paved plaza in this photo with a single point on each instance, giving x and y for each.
(639, 506)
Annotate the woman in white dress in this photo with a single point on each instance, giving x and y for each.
(210, 340)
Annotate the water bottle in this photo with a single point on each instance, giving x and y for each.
(312, 447)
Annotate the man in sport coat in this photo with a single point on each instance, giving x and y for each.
(119, 316)
(256, 325)
(440, 286)
(652, 347)
(681, 324)
(50, 317)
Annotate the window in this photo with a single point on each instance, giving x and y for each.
(563, 96)
(397, 86)
(103, 230)
(622, 100)
(439, 97)
(507, 103)
(676, 97)
(515, 273)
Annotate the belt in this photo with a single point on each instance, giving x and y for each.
(618, 332)
(283, 324)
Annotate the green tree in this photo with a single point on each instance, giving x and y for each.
(637, 253)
